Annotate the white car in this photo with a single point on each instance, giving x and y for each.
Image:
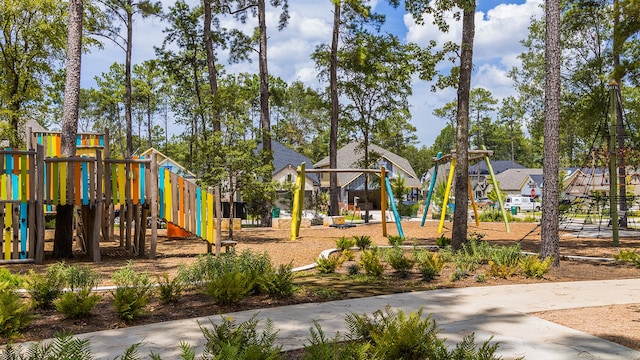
(521, 203)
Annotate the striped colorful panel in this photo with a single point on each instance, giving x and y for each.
(161, 192)
(85, 183)
(198, 211)
(142, 183)
(23, 230)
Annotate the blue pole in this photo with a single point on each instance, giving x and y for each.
(431, 186)
(387, 184)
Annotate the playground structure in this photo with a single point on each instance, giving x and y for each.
(474, 155)
(35, 181)
(298, 197)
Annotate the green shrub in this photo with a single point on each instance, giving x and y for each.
(430, 264)
(79, 300)
(443, 241)
(63, 346)
(371, 262)
(229, 288)
(322, 348)
(170, 290)
(77, 304)
(14, 312)
(327, 293)
(13, 280)
(398, 261)
(328, 265)
(344, 243)
(501, 270)
(492, 215)
(133, 292)
(395, 240)
(458, 274)
(533, 267)
(44, 288)
(362, 241)
(629, 256)
(354, 269)
(278, 283)
(347, 255)
(229, 340)
(480, 278)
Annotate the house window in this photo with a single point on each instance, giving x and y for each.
(289, 178)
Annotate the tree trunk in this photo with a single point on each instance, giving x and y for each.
(335, 106)
(213, 87)
(550, 244)
(265, 121)
(461, 176)
(127, 80)
(63, 238)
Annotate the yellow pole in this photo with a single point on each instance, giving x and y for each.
(443, 211)
(473, 203)
(383, 200)
(497, 188)
(296, 212)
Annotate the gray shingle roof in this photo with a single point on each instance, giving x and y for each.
(512, 179)
(284, 156)
(350, 154)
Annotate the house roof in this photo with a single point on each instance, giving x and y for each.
(349, 155)
(164, 160)
(498, 166)
(284, 156)
(512, 179)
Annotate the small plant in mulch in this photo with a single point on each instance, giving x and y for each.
(533, 267)
(362, 241)
(402, 264)
(344, 243)
(79, 300)
(371, 262)
(328, 264)
(133, 292)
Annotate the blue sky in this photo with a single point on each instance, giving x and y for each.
(500, 26)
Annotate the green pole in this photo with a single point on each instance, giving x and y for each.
(497, 188)
(613, 162)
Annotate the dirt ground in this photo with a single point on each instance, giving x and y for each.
(616, 323)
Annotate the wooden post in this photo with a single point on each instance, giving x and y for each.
(128, 207)
(152, 199)
(383, 200)
(99, 205)
(39, 203)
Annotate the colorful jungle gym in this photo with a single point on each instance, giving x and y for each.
(35, 181)
(298, 197)
(474, 155)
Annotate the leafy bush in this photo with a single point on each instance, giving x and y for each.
(229, 288)
(395, 240)
(278, 283)
(229, 340)
(362, 241)
(79, 300)
(13, 280)
(64, 346)
(327, 293)
(170, 290)
(77, 304)
(328, 265)
(133, 292)
(322, 348)
(347, 255)
(533, 267)
(344, 243)
(443, 241)
(480, 278)
(430, 264)
(14, 312)
(504, 261)
(458, 274)
(398, 261)
(501, 270)
(371, 262)
(493, 215)
(394, 335)
(628, 256)
(45, 288)
(354, 269)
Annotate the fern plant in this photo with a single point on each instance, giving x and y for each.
(395, 240)
(79, 300)
(63, 346)
(14, 312)
(430, 264)
(133, 292)
(229, 340)
(229, 288)
(278, 283)
(170, 290)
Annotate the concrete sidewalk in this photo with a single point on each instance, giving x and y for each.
(498, 311)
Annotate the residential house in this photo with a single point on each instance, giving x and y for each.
(285, 164)
(520, 182)
(351, 185)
